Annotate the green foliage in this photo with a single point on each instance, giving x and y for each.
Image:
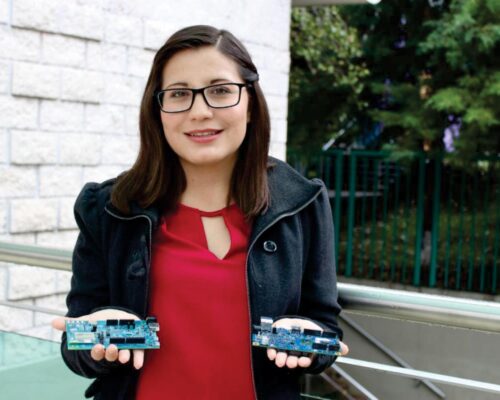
(448, 64)
(492, 86)
(468, 39)
(325, 78)
(449, 100)
(482, 117)
(390, 34)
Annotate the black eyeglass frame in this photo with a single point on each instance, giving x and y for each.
(202, 91)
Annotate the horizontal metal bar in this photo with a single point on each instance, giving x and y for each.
(35, 256)
(418, 374)
(420, 307)
(30, 307)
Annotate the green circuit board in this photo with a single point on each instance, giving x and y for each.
(295, 340)
(124, 333)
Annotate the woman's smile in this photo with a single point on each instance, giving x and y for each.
(203, 135)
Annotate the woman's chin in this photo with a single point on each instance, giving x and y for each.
(210, 160)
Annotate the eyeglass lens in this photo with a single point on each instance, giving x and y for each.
(217, 96)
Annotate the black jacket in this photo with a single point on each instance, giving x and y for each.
(290, 272)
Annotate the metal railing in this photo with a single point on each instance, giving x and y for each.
(419, 220)
(37, 256)
(412, 306)
(421, 307)
(423, 375)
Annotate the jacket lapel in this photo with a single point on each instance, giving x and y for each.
(288, 192)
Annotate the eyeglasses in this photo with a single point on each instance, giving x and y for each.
(223, 95)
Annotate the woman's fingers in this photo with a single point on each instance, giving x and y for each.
(292, 361)
(97, 352)
(305, 362)
(281, 359)
(138, 359)
(344, 349)
(124, 356)
(59, 323)
(271, 354)
(111, 353)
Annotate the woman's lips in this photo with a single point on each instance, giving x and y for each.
(203, 136)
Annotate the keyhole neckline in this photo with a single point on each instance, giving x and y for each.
(208, 213)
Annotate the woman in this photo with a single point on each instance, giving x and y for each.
(206, 233)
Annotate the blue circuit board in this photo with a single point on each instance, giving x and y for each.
(295, 340)
(124, 333)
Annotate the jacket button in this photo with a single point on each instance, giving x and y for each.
(136, 270)
(270, 246)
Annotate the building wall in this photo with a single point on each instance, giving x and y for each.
(72, 74)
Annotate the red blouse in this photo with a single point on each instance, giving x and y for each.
(201, 304)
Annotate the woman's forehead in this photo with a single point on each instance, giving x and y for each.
(195, 67)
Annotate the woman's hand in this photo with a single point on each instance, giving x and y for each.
(282, 358)
(111, 353)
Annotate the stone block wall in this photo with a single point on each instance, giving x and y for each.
(72, 74)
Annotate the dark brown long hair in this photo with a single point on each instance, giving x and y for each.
(157, 178)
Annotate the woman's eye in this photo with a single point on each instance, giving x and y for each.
(177, 93)
(220, 90)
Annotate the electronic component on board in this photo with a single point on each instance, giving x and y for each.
(124, 333)
(295, 339)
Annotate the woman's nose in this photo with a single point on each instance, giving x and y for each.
(200, 108)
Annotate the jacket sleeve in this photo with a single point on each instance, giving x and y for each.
(89, 285)
(319, 282)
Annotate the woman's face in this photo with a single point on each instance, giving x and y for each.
(186, 132)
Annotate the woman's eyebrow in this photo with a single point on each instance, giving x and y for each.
(177, 84)
(219, 80)
(212, 82)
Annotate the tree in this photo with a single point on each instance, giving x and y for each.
(325, 77)
(467, 41)
(432, 68)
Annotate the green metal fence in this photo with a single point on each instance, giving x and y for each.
(418, 221)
